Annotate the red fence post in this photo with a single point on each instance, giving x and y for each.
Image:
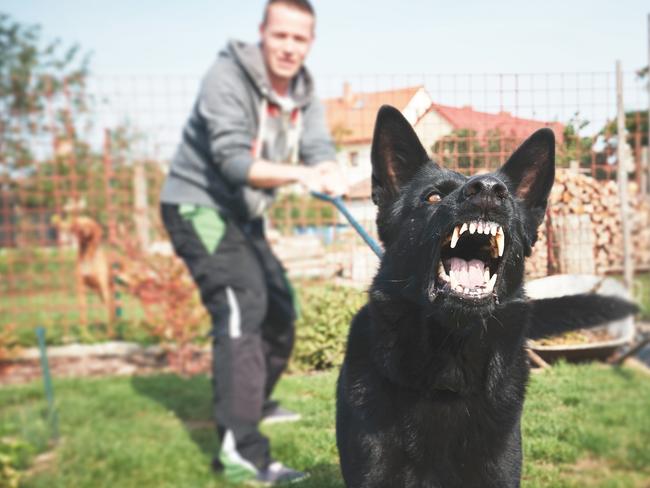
(111, 225)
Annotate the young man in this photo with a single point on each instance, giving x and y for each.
(255, 117)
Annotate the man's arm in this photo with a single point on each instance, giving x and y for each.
(231, 134)
(326, 177)
(225, 106)
(265, 174)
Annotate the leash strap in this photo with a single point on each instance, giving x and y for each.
(338, 203)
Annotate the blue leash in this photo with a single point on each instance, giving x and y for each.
(338, 203)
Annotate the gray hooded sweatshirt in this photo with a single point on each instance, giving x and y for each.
(237, 118)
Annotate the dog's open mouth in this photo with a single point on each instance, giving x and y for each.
(470, 259)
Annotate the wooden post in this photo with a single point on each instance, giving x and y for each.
(628, 264)
(141, 204)
(646, 188)
(575, 244)
(111, 223)
(645, 167)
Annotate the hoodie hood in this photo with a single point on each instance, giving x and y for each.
(249, 57)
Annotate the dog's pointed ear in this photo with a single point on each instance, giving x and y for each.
(396, 154)
(531, 173)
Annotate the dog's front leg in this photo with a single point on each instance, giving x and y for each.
(81, 300)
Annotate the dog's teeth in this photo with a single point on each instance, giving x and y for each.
(442, 273)
(472, 227)
(463, 228)
(453, 279)
(490, 284)
(501, 240)
(494, 252)
(479, 227)
(493, 229)
(486, 229)
(454, 237)
(486, 275)
(467, 291)
(458, 288)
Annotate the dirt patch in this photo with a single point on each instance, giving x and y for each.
(45, 461)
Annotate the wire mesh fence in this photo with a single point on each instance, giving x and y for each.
(81, 167)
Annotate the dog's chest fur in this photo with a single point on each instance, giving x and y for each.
(450, 418)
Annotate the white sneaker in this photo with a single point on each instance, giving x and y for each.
(278, 473)
(278, 415)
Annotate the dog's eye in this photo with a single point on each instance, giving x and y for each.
(433, 197)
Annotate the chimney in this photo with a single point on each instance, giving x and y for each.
(348, 96)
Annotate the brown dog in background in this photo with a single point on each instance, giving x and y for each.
(92, 270)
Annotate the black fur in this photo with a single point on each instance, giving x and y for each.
(552, 316)
(432, 387)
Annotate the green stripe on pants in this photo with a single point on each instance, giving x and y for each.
(207, 223)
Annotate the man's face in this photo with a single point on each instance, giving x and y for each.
(286, 36)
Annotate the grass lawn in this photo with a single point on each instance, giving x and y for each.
(585, 425)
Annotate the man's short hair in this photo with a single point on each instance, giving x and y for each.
(303, 5)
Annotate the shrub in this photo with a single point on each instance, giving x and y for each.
(7, 341)
(9, 476)
(322, 329)
(14, 454)
(292, 210)
(173, 313)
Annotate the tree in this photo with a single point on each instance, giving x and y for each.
(636, 125)
(463, 149)
(41, 89)
(574, 146)
(460, 149)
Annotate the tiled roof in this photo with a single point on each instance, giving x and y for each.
(483, 122)
(351, 118)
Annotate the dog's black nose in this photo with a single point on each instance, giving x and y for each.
(486, 191)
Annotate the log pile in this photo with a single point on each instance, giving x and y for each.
(585, 214)
(537, 264)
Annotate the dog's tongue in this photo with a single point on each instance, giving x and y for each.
(469, 274)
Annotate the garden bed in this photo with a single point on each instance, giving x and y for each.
(91, 360)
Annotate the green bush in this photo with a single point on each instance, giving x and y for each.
(14, 456)
(291, 210)
(322, 329)
(9, 477)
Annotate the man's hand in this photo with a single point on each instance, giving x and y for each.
(326, 177)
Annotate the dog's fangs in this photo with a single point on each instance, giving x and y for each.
(472, 275)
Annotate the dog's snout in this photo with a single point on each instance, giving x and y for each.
(485, 191)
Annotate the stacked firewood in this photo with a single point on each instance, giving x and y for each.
(537, 264)
(586, 227)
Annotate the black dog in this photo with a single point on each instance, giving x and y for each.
(433, 383)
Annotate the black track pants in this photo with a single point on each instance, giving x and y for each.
(244, 288)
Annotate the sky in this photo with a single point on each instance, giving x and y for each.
(149, 55)
(153, 37)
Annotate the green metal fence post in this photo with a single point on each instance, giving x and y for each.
(47, 381)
